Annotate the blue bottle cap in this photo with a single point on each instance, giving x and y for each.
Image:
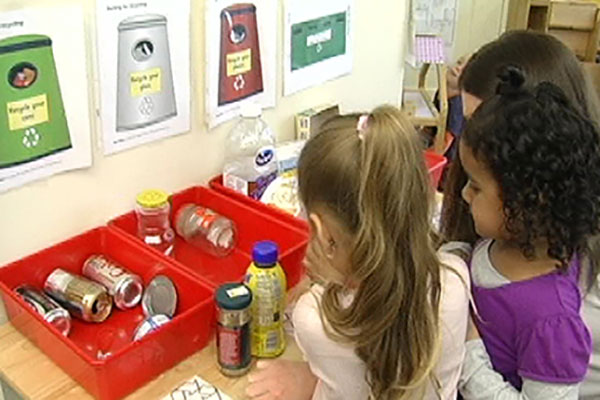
(233, 296)
(265, 253)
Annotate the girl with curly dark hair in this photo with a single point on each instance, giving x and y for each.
(542, 58)
(533, 190)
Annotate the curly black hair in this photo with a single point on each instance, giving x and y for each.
(545, 156)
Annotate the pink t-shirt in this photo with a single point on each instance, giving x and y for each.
(341, 373)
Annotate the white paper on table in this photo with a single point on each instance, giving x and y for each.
(68, 47)
(109, 13)
(266, 16)
(298, 11)
(196, 388)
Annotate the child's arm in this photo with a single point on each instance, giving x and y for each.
(479, 381)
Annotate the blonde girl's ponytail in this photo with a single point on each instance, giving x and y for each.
(379, 184)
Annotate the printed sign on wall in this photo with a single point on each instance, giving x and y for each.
(318, 42)
(143, 64)
(44, 110)
(240, 56)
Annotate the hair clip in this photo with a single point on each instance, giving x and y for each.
(361, 126)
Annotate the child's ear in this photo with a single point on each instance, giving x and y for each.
(321, 233)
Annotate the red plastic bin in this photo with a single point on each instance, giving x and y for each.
(131, 364)
(217, 184)
(252, 225)
(435, 164)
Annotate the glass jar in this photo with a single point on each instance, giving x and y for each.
(153, 227)
(206, 229)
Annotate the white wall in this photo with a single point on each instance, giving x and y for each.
(478, 22)
(49, 211)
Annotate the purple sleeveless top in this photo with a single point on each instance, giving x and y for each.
(533, 329)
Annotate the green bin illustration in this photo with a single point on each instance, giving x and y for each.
(32, 116)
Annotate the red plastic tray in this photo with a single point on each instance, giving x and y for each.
(131, 364)
(217, 184)
(253, 224)
(435, 164)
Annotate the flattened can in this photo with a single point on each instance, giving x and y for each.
(83, 298)
(234, 337)
(125, 287)
(49, 309)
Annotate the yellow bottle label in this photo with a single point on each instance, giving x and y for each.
(239, 63)
(268, 286)
(146, 82)
(29, 112)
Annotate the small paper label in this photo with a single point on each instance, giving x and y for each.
(29, 112)
(239, 63)
(146, 82)
(317, 38)
(237, 292)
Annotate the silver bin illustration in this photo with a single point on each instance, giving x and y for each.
(145, 93)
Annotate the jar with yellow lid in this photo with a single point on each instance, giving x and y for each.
(153, 226)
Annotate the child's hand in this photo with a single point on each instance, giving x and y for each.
(453, 75)
(281, 380)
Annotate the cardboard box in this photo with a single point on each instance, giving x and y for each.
(309, 121)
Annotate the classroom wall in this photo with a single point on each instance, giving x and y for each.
(49, 211)
(478, 22)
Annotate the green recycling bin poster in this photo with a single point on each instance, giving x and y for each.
(44, 111)
(318, 42)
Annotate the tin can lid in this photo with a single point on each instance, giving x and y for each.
(233, 296)
(160, 297)
(152, 198)
(265, 253)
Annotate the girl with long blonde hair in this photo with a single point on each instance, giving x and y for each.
(386, 317)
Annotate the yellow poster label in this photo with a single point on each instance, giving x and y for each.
(29, 112)
(146, 82)
(239, 63)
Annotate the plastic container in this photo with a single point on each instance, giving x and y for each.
(252, 225)
(206, 229)
(250, 160)
(266, 280)
(435, 164)
(103, 358)
(153, 227)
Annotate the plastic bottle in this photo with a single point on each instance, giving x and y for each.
(153, 226)
(266, 279)
(250, 160)
(206, 229)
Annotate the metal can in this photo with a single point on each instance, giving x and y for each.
(125, 287)
(50, 310)
(234, 347)
(85, 299)
(150, 324)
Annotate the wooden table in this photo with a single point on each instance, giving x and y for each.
(34, 376)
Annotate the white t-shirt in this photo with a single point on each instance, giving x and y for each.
(342, 375)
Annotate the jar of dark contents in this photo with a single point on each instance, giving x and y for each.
(234, 348)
